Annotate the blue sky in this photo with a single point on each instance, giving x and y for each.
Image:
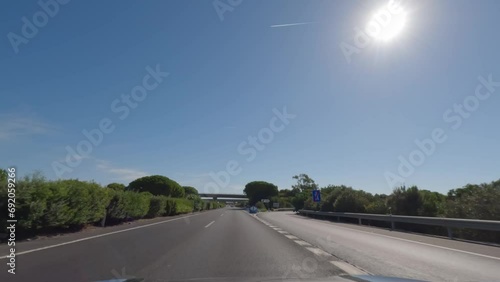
(353, 120)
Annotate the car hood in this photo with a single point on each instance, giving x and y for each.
(359, 278)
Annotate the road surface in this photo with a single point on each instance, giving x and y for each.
(232, 244)
(383, 252)
(219, 243)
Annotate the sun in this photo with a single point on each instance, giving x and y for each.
(393, 29)
(387, 23)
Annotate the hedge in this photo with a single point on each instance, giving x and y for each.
(44, 205)
(57, 204)
(157, 206)
(125, 205)
(183, 206)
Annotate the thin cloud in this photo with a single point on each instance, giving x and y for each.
(119, 173)
(12, 126)
(291, 24)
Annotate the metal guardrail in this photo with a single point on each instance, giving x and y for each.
(449, 223)
(284, 209)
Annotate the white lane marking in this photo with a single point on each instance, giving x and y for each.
(208, 225)
(221, 214)
(348, 268)
(318, 252)
(283, 232)
(411, 241)
(277, 229)
(272, 226)
(302, 243)
(291, 237)
(97, 236)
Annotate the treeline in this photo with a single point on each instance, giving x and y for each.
(473, 201)
(44, 206)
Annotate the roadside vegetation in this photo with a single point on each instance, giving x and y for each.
(48, 206)
(473, 201)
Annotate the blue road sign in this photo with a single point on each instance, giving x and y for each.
(316, 196)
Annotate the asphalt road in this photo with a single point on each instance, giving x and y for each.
(383, 252)
(220, 243)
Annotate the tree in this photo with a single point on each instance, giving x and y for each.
(377, 204)
(299, 200)
(475, 201)
(188, 190)
(432, 203)
(350, 201)
(285, 193)
(330, 195)
(258, 190)
(405, 201)
(157, 185)
(302, 190)
(304, 183)
(116, 186)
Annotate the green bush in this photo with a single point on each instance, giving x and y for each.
(157, 206)
(260, 206)
(136, 204)
(32, 195)
(169, 207)
(197, 202)
(183, 206)
(87, 201)
(127, 204)
(58, 204)
(116, 210)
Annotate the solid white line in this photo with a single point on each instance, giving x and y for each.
(348, 268)
(411, 241)
(97, 236)
(209, 224)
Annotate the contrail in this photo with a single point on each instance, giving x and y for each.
(291, 24)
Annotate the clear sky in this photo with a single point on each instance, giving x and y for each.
(227, 72)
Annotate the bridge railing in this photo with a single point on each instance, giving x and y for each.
(448, 223)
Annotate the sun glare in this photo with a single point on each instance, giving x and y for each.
(387, 23)
(394, 28)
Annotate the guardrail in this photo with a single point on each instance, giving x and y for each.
(448, 223)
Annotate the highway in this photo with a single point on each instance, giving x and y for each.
(387, 253)
(219, 243)
(230, 243)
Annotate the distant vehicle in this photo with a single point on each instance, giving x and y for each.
(253, 209)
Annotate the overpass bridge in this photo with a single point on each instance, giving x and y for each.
(235, 197)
